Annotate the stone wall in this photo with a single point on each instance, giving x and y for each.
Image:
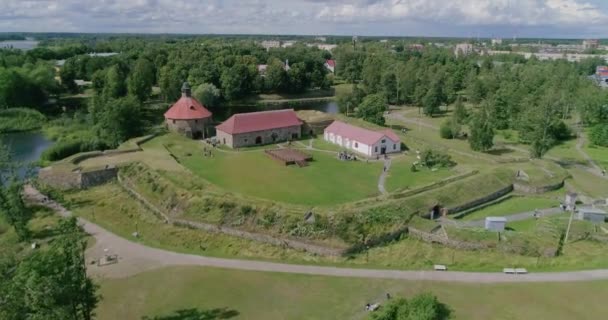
(263, 238)
(536, 190)
(63, 180)
(250, 138)
(97, 177)
(482, 200)
(189, 128)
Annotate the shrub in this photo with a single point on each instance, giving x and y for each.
(64, 149)
(433, 158)
(20, 119)
(599, 135)
(450, 129)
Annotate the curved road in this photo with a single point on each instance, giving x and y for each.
(135, 258)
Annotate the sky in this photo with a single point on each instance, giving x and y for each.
(449, 18)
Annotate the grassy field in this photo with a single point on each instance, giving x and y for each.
(588, 183)
(326, 181)
(599, 155)
(512, 206)
(401, 177)
(207, 293)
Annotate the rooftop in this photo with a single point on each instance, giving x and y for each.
(360, 134)
(259, 121)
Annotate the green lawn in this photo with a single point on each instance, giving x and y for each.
(195, 291)
(511, 206)
(566, 150)
(401, 177)
(326, 181)
(599, 155)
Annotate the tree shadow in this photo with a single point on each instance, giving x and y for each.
(196, 314)
(500, 152)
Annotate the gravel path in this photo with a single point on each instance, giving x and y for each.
(135, 258)
(382, 179)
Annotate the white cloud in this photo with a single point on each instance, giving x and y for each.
(468, 12)
(301, 16)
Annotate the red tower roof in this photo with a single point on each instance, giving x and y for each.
(259, 121)
(187, 108)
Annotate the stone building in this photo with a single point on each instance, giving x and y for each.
(258, 128)
(188, 116)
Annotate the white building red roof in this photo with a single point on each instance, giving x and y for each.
(358, 134)
(259, 121)
(331, 63)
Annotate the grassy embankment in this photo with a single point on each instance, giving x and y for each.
(511, 206)
(237, 295)
(20, 119)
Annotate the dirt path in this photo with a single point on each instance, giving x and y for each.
(382, 179)
(135, 258)
(593, 167)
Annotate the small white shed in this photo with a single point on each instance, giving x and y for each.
(496, 224)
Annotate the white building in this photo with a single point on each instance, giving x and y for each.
(496, 224)
(366, 142)
(496, 41)
(268, 44)
(463, 49)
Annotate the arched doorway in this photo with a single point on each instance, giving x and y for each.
(258, 140)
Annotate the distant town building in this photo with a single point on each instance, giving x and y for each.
(367, 142)
(463, 49)
(322, 39)
(287, 44)
(590, 44)
(188, 116)
(330, 65)
(269, 44)
(263, 67)
(496, 224)
(416, 47)
(497, 42)
(594, 215)
(602, 72)
(258, 128)
(323, 46)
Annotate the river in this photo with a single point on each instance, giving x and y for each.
(26, 148)
(19, 44)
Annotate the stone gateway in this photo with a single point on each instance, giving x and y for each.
(259, 128)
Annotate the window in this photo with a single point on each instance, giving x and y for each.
(356, 145)
(195, 120)
(375, 149)
(245, 140)
(383, 140)
(173, 121)
(394, 147)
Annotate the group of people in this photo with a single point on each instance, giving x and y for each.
(345, 156)
(207, 153)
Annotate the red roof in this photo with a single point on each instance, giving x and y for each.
(331, 63)
(358, 134)
(187, 108)
(259, 121)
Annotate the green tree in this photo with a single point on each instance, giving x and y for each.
(119, 119)
(420, 307)
(461, 115)
(450, 128)
(13, 209)
(170, 82)
(372, 109)
(237, 81)
(52, 284)
(599, 135)
(433, 99)
(482, 132)
(141, 79)
(349, 101)
(114, 86)
(276, 77)
(208, 95)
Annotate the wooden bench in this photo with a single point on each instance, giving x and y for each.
(514, 271)
(440, 267)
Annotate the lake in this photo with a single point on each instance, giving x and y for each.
(26, 147)
(19, 44)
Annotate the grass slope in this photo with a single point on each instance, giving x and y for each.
(20, 119)
(267, 296)
(512, 206)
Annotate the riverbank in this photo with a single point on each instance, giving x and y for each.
(20, 120)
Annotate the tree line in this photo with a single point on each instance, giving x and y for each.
(530, 97)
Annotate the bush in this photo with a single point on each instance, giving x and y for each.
(599, 135)
(433, 158)
(450, 129)
(64, 149)
(423, 306)
(20, 119)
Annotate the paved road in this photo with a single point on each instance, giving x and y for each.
(135, 258)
